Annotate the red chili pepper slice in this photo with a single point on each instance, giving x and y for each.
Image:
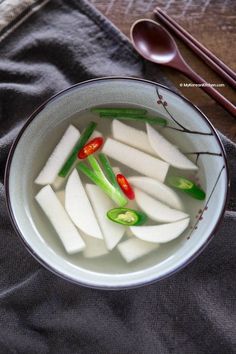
(90, 148)
(125, 186)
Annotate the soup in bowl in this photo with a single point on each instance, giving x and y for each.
(116, 183)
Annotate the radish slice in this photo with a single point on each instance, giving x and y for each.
(160, 233)
(61, 196)
(131, 136)
(156, 210)
(69, 235)
(58, 156)
(134, 248)
(101, 203)
(79, 208)
(167, 151)
(94, 247)
(135, 159)
(157, 190)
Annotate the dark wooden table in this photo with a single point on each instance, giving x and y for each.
(212, 22)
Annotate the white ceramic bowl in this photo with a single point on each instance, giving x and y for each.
(38, 137)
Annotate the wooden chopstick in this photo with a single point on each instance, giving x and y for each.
(208, 57)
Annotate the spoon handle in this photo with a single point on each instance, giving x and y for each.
(205, 54)
(216, 95)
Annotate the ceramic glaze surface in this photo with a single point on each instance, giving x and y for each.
(187, 128)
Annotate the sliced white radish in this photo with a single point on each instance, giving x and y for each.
(131, 136)
(136, 159)
(157, 190)
(160, 233)
(156, 210)
(79, 208)
(59, 219)
(94, 247)
(167, 151)
(58, 157)
(134, 248)
(101, 203)
(61, 196)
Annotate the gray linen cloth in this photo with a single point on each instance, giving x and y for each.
(60, 44)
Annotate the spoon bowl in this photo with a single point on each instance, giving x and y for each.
(153, 42)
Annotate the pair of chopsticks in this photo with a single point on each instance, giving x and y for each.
(208, 57)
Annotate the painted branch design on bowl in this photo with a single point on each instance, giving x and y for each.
(199, 216)
(199, 153)
(181, 127)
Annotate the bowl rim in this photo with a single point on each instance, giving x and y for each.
(34, 114)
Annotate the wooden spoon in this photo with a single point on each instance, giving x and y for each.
(155, 44)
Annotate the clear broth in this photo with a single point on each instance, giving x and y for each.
(111, 263)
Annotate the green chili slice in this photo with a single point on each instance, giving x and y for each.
(148, 119)
(128, 111)
(126, 216)
(187, 186)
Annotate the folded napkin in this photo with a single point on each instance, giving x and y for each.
(45, 46)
